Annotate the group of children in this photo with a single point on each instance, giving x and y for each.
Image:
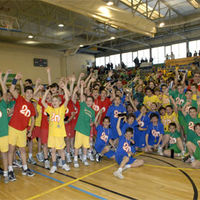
(90, 119)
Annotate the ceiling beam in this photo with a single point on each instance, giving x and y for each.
(136, 41)
(108, 48)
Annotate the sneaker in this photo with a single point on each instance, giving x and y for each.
(90, 156)
(53, 169)
(68, 158)
(6, 179)
(40, 157)
(160, 151)
(98, 157)
(46, 164)
(31, 161)
(11, 176)
(118, 174)
(27, 172)
(60, 162)
(76, 165)
(17, 163)
(66, 167)
(186, 158)
(85, 162)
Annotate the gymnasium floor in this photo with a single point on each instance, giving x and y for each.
(159, 179)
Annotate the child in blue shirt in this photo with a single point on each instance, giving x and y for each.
(124, 153)
(103, 140)
(154, 134)
(113, 112)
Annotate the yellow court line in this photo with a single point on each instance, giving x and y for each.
(70, 182)
(165, 167)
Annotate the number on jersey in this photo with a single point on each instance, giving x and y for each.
(25, 111)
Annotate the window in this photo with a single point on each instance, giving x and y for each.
(107, 59)
(168, 50)
(179, 50)
(145, 54)
(158, 55)
(194, 46)
(127, 59)
(115, 59)
(100, 61)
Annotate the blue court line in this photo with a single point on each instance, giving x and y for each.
(74, 187)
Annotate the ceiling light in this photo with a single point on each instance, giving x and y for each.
(110, 3)
(30, 36)
(112, 38)
(60, 25)
(104, 11)
(162, 24)
(31, 42)
(81, 45)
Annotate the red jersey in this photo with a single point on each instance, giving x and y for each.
(98, 105)
(44, 122)
(23, 111)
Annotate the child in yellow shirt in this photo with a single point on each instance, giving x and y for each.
(57, 131)
(149, 98)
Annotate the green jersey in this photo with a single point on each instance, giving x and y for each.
(189, 126)
(180, 99)
(85, 118)
(196, 141)
(3, 119)
(173, 138)
(10, 105)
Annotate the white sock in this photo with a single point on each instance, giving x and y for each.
(5, 173)
(10, 168)
(30, 155)
(75, 158)
(119, 170)
(68, 154)
(25, 167)
(84, 157)
(127, 166)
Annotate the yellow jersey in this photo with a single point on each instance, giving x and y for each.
(56, 121)
(149, 100)
(167, 119)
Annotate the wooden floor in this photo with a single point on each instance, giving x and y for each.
(159, 179)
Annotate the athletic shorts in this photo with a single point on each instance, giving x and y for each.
(70, 130)
(175, 148)
(36, 133)
(4, 144)
(17, 137)
(81, 140)
(197, 153)
(44, 135)
(56, 142)
(120, 157)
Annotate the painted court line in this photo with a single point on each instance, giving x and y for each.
(74, 187)
(70, 182)
(158, 166)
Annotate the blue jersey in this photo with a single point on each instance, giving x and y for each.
(124, 147)
(156, 112)
(113, 112)
(144, 121)
(154, 133)
(126, 125)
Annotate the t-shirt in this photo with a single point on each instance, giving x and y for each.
(124, 147)
(23, 111)
(165, 100)
(144, 121)
(196, 141)
(167, 119)
(180, 99)
(103, 135)
(98, 104)
(126, 125)
(192, 104)
(10, 105)
(3, 119)
(113, 112)
(189, 127)
(44, 122)
(154, 133)
(85, 118)
(173, 138)
(149, 100)
(56, 121)
(38, 119)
